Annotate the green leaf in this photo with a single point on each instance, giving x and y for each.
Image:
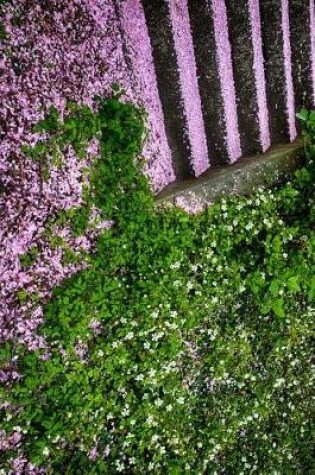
(303, 115)
(22, 296)
(293, 284)
(311, 293)
(274, 286)
(277, 307)
(276, 244)
(175, 470)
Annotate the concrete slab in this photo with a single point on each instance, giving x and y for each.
(301, 41)
(244, 75)
(202, 26)
(158, 21)
(240, 178)
(278, 69)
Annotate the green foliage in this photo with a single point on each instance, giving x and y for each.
(3, 34)
(200, 363)
(119, 188)
(307, 118)
(29, 257)
(77, 129)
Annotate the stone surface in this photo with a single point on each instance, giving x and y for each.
(276, 39)
(162, 41)
(202, 28)
(229, 76)
(240, 178)
(301, 34)
(243, 60)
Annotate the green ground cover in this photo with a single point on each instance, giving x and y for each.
(185, 347)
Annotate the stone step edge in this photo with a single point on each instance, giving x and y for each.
(240, 178)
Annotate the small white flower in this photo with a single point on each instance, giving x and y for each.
(120, 466)
(46, 451)
(150, 420)
(139, 377)
(180, 400)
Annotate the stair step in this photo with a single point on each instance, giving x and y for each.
(241, 178)
(135, 33)
(302, 27)
(216, 81)
(174, 85)
(220, 79)
(278, 69)
(247, 53)
(186, 64)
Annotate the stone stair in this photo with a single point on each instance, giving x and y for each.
(229, 74)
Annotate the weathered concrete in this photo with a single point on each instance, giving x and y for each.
(159, 25)
(202, 28)
(240, 178)
(230, 76)
(243, 60)
(301, 37)
(276, 69)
